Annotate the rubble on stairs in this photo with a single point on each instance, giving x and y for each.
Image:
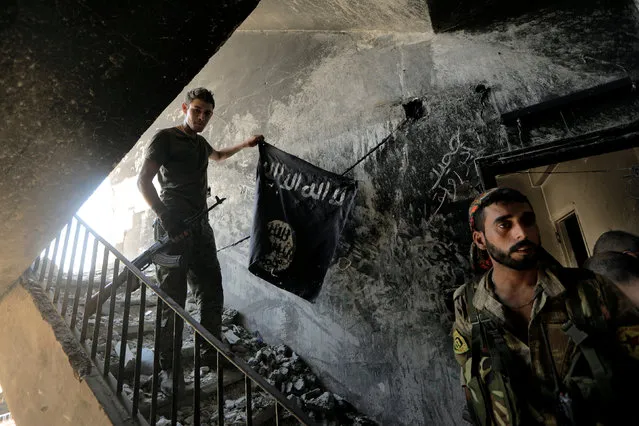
(280, 366)
(287, 372)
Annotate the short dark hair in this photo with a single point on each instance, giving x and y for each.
(618, 241)
(200, 93)
(500, 195)
(618, 267)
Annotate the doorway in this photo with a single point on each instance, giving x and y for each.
(572, 240)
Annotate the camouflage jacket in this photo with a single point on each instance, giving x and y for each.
(530, 354)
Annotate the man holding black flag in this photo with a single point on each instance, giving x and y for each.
(179, 156)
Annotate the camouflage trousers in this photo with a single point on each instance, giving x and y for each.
(201, 270)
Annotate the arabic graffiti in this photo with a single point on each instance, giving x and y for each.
(297, 181)
(453, 170)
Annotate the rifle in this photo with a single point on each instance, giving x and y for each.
(154, 254)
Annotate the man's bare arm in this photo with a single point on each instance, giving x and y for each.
(225, 153)
(145, 184)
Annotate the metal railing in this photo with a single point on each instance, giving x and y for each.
(78, 241)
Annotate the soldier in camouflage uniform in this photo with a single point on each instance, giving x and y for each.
(538, 343)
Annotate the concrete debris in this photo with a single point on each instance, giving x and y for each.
(165, 422)
(147, 361)
(239, 403)
(279, 365)
(230, 316)
(285, 370)
(129, 358)
(136, 300)
(145, 382)
(323, 403)
(230, 337)
(188, 350)
(284, 351)
(146, 366)
(299, 385)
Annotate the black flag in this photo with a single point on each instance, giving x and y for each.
(300, 211)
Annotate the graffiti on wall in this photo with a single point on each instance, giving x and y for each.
(453, 171)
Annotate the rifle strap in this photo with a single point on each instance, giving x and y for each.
(477, 349)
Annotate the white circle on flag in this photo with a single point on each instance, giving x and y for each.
(280, 236)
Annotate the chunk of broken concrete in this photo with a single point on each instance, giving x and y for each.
(146, 366)
(129, 358)
(299, 386)
(230, 316)
(284, 350)
(165, 422)
(324, 403)
(231, 337)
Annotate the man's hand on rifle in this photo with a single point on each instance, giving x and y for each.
(174, 227)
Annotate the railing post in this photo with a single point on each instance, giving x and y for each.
(156, 362)
(78, 284)
(138, 352)
(249, 400)
(65, 246)
(45, 263)
(220, 389)
(85, 317)
(109, 339)
(36, 265)
(196, 378)
(98, 312)
(176, 366)
(74, 249)
(56, 246)
(125, 324)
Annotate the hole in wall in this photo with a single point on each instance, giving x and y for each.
(414, 109)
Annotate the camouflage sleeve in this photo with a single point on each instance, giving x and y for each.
(500, 396)
(623, 315)
(461, 334)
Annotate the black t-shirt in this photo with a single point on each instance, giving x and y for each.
(183, 161)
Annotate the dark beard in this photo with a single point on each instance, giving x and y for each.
(503, 258)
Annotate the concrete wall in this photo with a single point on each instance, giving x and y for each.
(602, 201)
(45, 373)
(378, 333)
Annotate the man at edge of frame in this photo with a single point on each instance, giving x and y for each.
(539, 344)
